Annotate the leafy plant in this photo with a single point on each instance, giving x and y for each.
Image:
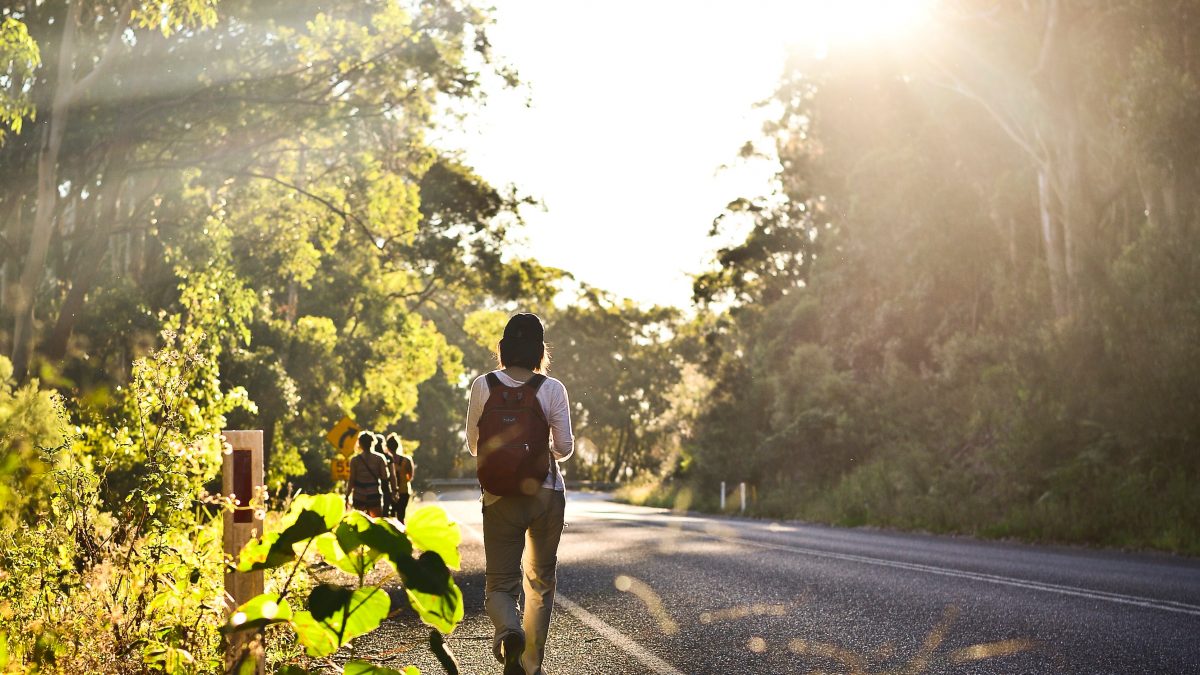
(110, 556)
(334, 615)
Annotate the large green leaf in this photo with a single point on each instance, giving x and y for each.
(430, 576)
(349, 531)
(332, 553)
(317, 638)
(309, 516)
(364, 668)
(257, 612)
(326, 600)
(432, 592)
(427, 574)
(277, 548)
(386, 538)
(431, 529)
(441, 611)
(427, 581)
(337, 615)
(344, 547)
(331, 507)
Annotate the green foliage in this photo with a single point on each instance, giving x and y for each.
(174, 16)
(430, 529)
(259, 612)
(21, 55)
(33, 431)
(98, 576)
(620, 363)
(279, 163)
(338, 615)
(771, 259)
(353, 543)
(917, 336)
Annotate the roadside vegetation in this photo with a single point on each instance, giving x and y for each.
(969, 303)
(215, 216)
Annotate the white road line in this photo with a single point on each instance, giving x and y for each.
(1151, 603)
(616, 637)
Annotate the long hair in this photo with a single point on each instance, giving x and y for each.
(523, 344)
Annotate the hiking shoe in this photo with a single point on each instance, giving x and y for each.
(511, 649)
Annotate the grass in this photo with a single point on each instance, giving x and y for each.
(1112, 510)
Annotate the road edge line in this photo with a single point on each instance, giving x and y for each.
(627, 644)
(1027, 584)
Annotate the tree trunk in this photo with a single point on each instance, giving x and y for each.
(12, 234)
(1052, 244)
(25, 294)
(619, 457)
(268, 429)
(90, 256)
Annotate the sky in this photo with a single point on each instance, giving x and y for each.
(633, 107)
(627, 113)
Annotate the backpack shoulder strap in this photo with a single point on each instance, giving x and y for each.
(536, 382)
(492, 380)
(371, 471)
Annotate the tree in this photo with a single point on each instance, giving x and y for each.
(69, 85)
(967, 325)
(619, 364)
(282, 144)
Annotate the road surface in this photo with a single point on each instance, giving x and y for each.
(647, 591)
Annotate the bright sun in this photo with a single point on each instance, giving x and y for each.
(855, 21)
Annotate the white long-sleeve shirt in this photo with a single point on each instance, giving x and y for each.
(552, 396)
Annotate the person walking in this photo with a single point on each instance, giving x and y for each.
(388, 483)
(519, 429)
(368, 477)
(403, 471)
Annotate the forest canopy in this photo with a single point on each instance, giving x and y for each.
(969, 302)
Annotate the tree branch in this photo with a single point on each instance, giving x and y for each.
(344, 214)
(957, 86)
(124, 16)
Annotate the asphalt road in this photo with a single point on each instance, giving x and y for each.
(647, 591)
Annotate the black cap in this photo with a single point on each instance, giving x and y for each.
(524, 327)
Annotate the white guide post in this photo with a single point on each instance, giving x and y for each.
(242, 480)
(742, 488)
(722, 495)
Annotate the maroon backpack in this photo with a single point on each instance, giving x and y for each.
(514, 439)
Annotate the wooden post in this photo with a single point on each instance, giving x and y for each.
(242, 480)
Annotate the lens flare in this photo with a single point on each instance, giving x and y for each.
(852, 22)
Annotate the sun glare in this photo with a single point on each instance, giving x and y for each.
(858, 22)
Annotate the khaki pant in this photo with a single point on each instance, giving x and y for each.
(507, 525)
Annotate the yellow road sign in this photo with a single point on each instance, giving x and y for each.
(344, 436)
(339, 468)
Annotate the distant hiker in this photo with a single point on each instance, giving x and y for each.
(403, 471)
(368, 475)
(519, 428)
(389, 483)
